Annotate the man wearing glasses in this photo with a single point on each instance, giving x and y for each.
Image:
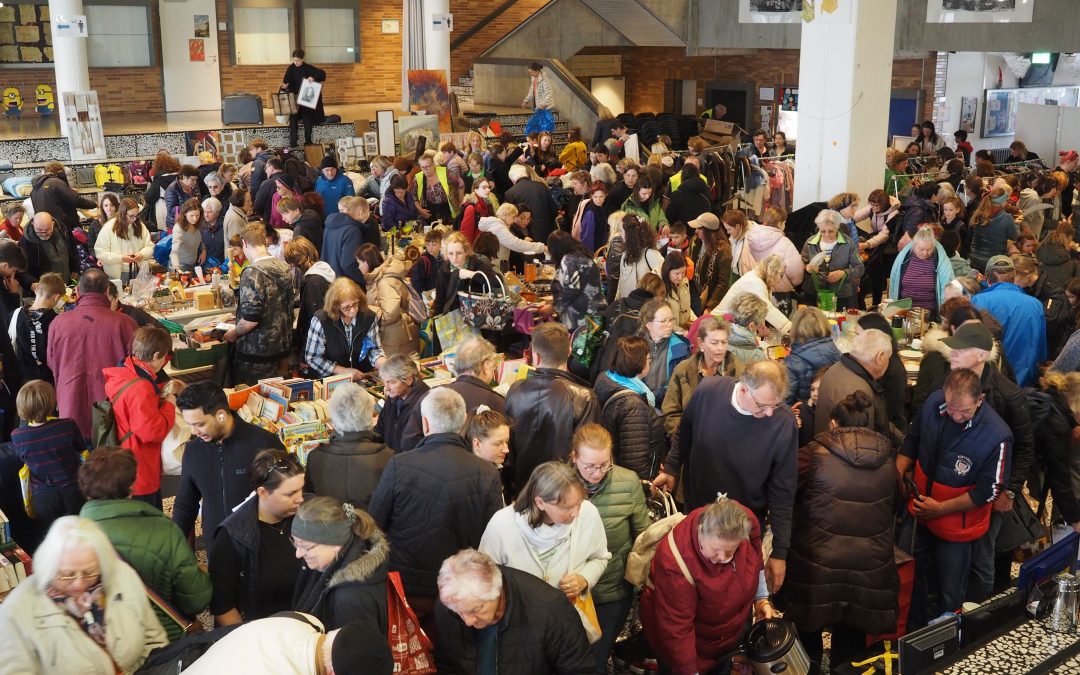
(740, 438)
(960, 451)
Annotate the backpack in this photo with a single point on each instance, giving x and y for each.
(644, 550)
(140, 172)
(418, 309)
(104, 419)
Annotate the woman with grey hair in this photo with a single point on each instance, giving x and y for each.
(921, 272)
(83, 611)
(762, 281)
(474, 365)
(217, 186)
(702, 582)
(832, 260)
(350, 465)
(551, 531)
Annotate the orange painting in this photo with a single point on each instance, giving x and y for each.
(428, 93)
(196, 50)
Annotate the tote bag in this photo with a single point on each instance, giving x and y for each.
(410, 646)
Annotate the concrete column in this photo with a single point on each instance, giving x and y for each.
(436, 42)
(69, 56)
(845, 81)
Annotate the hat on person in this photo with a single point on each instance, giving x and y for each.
(1000, 263)
(285, 179)
(361, 649)
(328, 162)
(707, 220)
(1068, 156)
(970, 336)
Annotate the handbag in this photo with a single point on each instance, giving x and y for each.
(451, 329)
(284, 103)
(487, 310)
(221, 375)
(1018, 527)
(411, 648)
(586, 610)
(24, 483)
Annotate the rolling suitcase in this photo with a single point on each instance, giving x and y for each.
(242, 108)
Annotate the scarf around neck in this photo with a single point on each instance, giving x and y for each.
(633, 384)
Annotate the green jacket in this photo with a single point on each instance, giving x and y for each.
(621, 503)
(655, 215)
(154, 546)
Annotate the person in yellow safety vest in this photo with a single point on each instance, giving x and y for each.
(435, 204)
(676, 178)
(716, 112)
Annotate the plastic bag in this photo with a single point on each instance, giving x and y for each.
(144, 284)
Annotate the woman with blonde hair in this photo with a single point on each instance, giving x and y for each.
(83, 611)
(992, 228)
(346, 559)
(499, 226)
(768, 238)
(461, 264)
(124, 242)
(344, 335)
(761, 282)
(812, 348)
(616, 244)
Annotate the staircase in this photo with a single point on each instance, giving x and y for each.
(464, 88)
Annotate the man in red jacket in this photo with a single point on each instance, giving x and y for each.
(82, 342)
(144, 413)
(960, 450)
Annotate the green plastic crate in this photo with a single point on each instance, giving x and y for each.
(172, 326)
(184, 359)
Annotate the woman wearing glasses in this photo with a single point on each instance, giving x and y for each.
(616, 493)
(344, 334)
(124, 242)
(83, 611)
(667, 349)
(253, 565)
(346, 558)
(551, 531)
(630, 409)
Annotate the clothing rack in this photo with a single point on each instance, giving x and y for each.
(778, 158)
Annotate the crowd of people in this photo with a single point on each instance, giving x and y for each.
(511, 519)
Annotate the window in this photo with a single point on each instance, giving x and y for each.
(331, 34)
(262, 32)
(119, 36)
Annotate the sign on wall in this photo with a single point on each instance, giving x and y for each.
(979, 11)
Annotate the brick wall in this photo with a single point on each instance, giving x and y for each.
(467, 13)
(376, 78)
(119, 89)
(650, 71)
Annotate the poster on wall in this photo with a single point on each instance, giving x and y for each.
(196, 50)
(979, 11)
(25, 33)
(770, 11)
(787, 116)
(202, 25)
(1001, 106)
(968, 106)
(202, 141)
(86, 138)
(410, 129)
(428, 93)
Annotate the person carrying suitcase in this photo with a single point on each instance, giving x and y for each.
(295, 76)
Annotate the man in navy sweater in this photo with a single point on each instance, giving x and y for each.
(216, 459)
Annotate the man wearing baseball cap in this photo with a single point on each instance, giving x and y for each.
(1020, 315)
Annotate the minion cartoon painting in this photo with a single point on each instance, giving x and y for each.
(46, 104)
(12, 102)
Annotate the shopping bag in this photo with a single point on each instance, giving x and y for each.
(541, 120)
(586, 610)
(488, 310)
(284, 103)
(24, 483)
(410, 646)
(451, 329)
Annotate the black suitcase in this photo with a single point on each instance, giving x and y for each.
(240, 108)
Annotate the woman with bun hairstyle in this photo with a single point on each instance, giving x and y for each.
(346, 559)
(841, 573)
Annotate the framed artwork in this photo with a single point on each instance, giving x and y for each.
(384, 125)
(371, 143)
(979, 11)
(969, 105)
(309, 94)
(1001, 105)
(770, 11)
(411, 128)
(86, 137)
(429, 93)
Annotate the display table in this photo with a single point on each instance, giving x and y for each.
(1025, 647)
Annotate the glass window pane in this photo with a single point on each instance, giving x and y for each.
(117, 36)
(330, 35)
(262, 35)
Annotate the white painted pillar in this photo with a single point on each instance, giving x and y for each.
(437, 38)
(69, 56)
(845, 82)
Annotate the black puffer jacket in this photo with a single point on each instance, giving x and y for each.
(50, 193)
(547, 409)
(540, 633)
(1060, 321)
(1055, 460)
(352, 588)
(690, 201)
(637, 431)
(431, 503)
(1056, 265)
(348, 467)
(840, 565)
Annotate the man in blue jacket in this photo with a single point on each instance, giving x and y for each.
(343, 233)
(1020, 314)
(332, 185)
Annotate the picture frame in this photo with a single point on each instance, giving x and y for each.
(770, 11)
(309, 94)
(969, 107)
(1000, 106)
(411, 128)
(979, 11)
(384, 122)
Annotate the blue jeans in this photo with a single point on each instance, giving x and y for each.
(981, 585)
(942, 569)
(612, 617)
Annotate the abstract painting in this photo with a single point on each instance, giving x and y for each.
(428, 93)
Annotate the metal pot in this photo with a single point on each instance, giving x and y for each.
(1065, 604)
(772, 647)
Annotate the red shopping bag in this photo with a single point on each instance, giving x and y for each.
(411, 647)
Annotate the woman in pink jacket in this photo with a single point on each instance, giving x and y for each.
(767, 238)
(880, 210)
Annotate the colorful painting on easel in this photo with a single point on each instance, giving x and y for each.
(428, 93)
